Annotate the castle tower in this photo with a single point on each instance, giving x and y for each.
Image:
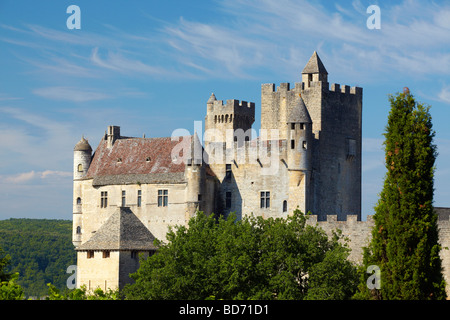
(299, 152)
(222, 120)
(300, 138)
(335, 142)
(82, 154)
(195, 175)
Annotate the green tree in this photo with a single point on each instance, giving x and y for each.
(252, 258)
(81, 294)
(405, 236)
(9, 289)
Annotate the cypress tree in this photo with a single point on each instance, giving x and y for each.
(404, 241)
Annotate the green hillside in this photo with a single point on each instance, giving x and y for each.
(40, 250)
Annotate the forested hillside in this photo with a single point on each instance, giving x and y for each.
(40, 250)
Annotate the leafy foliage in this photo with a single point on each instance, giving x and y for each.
(9, 289)
(40, 251)
(405, 237)
(253, 258)
(81, 294)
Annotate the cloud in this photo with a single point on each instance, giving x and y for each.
(444, 95)
(70, 94)
(26, 177)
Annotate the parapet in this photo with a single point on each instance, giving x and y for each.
(300, 86)
(233, 106)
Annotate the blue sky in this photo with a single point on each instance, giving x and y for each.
(150, 67)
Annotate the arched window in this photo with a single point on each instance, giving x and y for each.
(78, 230)
(226, 118)
(78, 200)
(80, 168)
(284, 206)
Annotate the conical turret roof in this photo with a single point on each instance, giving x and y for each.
(212, 98)
(82, 145)
(315, 65)
(299, 113)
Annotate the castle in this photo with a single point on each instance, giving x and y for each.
(307, 156)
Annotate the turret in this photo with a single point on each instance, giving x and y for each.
(314, 71)
(299, 133)
(82, 154)
(195, 177)
(81, 158)
(222, 119)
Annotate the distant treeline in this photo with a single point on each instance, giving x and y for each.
(40, 250)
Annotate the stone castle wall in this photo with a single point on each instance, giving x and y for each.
(359, 234)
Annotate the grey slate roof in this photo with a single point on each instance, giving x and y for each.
(315, 65)
(299, 113)
(122, 231)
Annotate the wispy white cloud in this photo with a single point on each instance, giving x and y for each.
(444, 94)
(70, 94)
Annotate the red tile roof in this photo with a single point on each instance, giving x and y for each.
(137, 156)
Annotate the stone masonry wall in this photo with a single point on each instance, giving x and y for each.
(359, 234)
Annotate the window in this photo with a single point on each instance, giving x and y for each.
(284, 206)
(265, 199)
(292, 144)
(162, 198)
(134, 254)
(199, 197)
(105, 254)
(351, 149)
(228, 200)
(90, 254)
(302, 126)
(78, 200)
(292, 126)
(228, 171)
(139, 198)
(104, 199)
(304, 145)
(80, 168)
(123, 198)
(78, 230)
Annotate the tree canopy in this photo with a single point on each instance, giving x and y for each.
(252, 258)
(405, 236)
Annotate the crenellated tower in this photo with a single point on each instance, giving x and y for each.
(335, 142)
(222, 120)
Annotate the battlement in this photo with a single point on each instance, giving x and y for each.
(232, 104)
(300, 87)
(332, 219)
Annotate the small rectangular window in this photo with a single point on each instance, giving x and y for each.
(292, 144)
(90, 254)
(228, 200)
(292, 126)
(123, 198)
(104, 199)
(139, 198)
(351, 148)
(105, 254)
(302, 126)
(228, 171)
(163, 198)
(265, 199)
